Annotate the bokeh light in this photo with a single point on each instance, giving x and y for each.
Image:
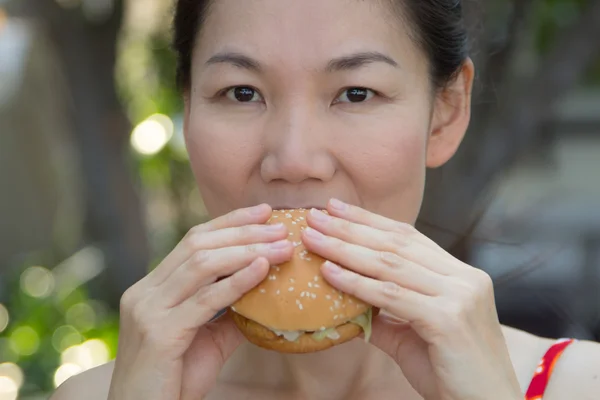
(64, 337)
(25, 340)
(64, 372)
(37, 282)
(9, 390)
(4, 318)
(152, 134)
(12, 371)
(82, 316)
(90, 354)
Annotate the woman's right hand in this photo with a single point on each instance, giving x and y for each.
(168, 346)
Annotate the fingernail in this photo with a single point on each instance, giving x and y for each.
(280, 245)
(257, 210)
(332, 268)
(338, 205)
(314, 234)
(275, 227)
(319, 215)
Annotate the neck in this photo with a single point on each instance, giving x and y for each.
(322, 375)
(327, 374)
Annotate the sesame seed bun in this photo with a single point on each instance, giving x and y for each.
(295, 297)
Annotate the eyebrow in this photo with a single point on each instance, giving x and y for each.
(345, 63)
(358, 60)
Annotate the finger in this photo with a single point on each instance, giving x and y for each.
(405, 242)
(196, 238)
(207, 266)
(209, 300)
(361, 216)
(380, 265)
(402, 303)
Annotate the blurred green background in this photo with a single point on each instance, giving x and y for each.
(96, 188)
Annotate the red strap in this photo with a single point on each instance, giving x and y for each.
(543, 373)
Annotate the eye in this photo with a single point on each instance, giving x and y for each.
(243, 94)
(355, 95)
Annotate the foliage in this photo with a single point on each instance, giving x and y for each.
(45, 320)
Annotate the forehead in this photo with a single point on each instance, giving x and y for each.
(304, 32)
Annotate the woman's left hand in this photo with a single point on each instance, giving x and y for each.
(439, 320)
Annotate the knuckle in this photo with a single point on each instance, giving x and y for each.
(193, 239)
(200, 257)
(129, 299)
(252, 248)
(206, 299)
(244, 232)
(391, 292)
(398, 241)
(483, 281)
(389, 259)
(404, 228)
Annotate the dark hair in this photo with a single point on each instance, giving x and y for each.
(437, 26)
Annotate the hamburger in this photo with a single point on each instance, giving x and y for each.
(295, 310)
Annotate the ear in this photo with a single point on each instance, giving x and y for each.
(451, 116)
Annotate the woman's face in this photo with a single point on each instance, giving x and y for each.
(294, 102)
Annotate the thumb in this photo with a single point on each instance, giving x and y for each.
(212, 346)
(393, 335)
(225, 335)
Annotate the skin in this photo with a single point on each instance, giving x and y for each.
(300, 143)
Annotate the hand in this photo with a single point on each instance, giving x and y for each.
(438, 319)
(168, 349)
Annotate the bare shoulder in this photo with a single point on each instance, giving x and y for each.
(577, 373)
(89, 385)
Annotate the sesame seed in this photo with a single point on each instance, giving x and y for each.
(313, 295)
(278, 291)
(316, 278)
(302, 294)
(328, 297)
(331, 309)
(272, 277)
(350, 301)
(288, 215)
(291, 289)
(301, 218)
(335, 316)
(292, 280)
(296, 244)
(275, 216)
(308, 259)
(317, 285)
(297, 301)
(291, 234)
(336, 303)
(263, 291)
(309, 284)
(294, 223)
(300, 306)
(277, 269)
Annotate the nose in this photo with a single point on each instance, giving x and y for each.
(297, 148)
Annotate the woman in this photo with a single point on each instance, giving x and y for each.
(303, 104)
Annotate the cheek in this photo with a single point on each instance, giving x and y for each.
(222, 158)
(388, 168)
